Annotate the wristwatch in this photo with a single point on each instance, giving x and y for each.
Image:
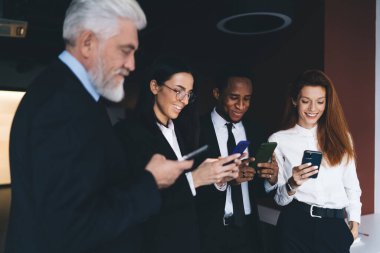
(289, 188)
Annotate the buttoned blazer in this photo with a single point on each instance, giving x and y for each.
(69, 191)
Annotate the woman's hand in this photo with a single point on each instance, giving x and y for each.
(300, 175)
(354, 227)
(216, 170)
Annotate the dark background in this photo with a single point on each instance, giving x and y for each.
(188, 29)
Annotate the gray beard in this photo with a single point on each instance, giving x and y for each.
(104, 85)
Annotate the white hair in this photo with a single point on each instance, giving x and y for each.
(101, 17)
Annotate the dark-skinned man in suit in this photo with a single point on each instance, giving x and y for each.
(228, 213)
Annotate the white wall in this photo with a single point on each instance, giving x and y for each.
(377, 111)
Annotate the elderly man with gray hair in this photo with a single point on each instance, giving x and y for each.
(69, 175)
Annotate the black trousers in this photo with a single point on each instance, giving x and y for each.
(301, 233)
(232, 239)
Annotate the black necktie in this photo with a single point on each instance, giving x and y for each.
(236, 193)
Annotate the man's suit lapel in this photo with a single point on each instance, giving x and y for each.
(250, 137)
(255, 186)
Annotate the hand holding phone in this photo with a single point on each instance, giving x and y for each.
(264, 153)
(246, 172)
(239, 149)
(313, 157)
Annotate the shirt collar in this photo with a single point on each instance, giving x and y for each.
(220, 122)
(305, 131)
(80, 72)
(170, 126)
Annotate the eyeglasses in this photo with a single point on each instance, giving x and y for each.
(181, 94)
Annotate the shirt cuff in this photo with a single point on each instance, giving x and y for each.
(268, 187)
(221, 187)
(189, 177)
(353, 214)
(282, 197)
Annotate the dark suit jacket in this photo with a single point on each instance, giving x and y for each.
(175, 228)
(68, 173)
(211, 202)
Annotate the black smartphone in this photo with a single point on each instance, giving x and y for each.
(313, 157)
(194, 153)
(264, 153)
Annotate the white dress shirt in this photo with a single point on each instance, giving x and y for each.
(335, 187)
(222, 136)
(171, 137)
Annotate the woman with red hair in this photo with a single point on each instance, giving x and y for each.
(316, 200)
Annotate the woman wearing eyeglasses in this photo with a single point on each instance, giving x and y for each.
(166, 122)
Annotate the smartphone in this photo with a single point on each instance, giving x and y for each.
(264, 153)
(313, 157)
(240, 147)
(194, 153)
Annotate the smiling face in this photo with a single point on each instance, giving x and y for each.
(167, 105)
(311, 104)
(235, 100)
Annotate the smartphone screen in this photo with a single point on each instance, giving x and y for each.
(240, 147)
(313, 157)
(264, 153)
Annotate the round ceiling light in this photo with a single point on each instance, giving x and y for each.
(254, 23)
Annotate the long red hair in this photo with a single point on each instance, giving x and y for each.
(333, 135)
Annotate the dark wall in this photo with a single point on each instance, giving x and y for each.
(350, 61)
(275, 59)
(303, 50)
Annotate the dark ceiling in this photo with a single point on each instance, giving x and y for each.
(186, 28)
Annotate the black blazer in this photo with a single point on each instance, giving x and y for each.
(210, 201)
(175, 228)
(68, 174)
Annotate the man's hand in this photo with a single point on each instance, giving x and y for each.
(269, 171)
(165, 172)
(246, 173)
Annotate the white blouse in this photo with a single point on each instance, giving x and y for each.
(335, 187)
(171, 137)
